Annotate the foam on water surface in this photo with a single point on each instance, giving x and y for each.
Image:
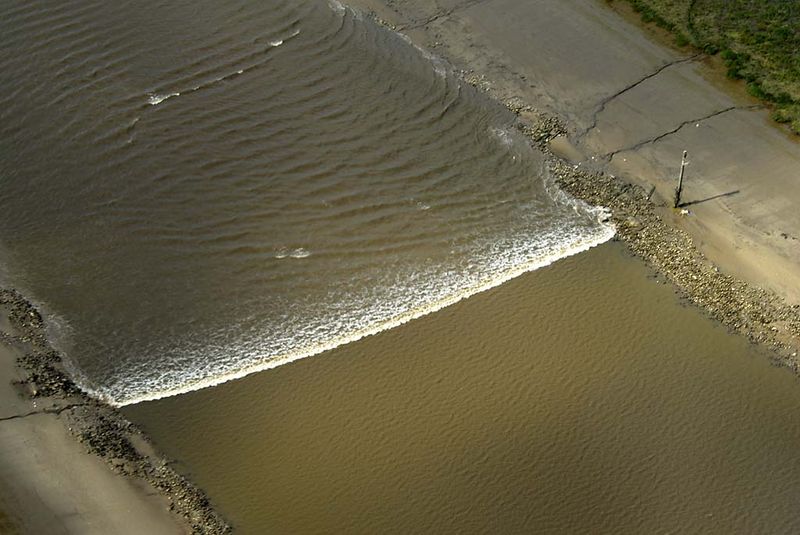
(189, 380)
(305, 179)
(154, 99)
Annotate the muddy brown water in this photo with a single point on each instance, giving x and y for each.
(584, 397)
(196, 191)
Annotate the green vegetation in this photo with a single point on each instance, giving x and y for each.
(759, 41)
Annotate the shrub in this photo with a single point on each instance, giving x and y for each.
(754, 89)
(782, 115)
(758, 40)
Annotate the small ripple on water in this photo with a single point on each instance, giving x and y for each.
(276, 201)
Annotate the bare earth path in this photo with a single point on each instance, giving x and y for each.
(632, 106)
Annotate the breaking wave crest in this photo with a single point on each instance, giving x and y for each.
(327, 180)
(246, 361)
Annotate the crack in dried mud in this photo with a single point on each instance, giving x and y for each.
(610, 155)
(55, 410)
(600, 108)
(441, 15)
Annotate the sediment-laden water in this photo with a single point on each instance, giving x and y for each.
(198, 190)
(580, 398)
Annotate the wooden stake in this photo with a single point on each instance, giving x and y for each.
(680, 180)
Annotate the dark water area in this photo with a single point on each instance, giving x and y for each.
(584, 397)
(194, 191)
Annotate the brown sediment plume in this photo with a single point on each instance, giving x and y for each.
(103, 430)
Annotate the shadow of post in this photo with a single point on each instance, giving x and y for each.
(691, 203)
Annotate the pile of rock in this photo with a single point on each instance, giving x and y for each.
(101, 428)
(27, 321)
(761, 316)
(45, 377)
(108, 434)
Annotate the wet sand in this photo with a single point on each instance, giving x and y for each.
(50, 484)
(631, 106)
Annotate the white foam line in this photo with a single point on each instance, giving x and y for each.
(154, 99)
(279, 42)
(398, 320)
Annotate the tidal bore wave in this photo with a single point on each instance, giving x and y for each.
(200, 191)
(190, 382)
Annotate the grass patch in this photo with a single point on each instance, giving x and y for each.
(759, 41)
(681, 40)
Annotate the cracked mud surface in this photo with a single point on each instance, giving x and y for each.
(697, 120)
(603, 103)
(439, 15)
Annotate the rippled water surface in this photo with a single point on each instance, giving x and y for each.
(197, 190)
(580, 398)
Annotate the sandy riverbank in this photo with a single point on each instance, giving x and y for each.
(627, 106)
(49, 484)
(70, 464)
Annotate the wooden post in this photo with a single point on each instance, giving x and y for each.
(680, 180)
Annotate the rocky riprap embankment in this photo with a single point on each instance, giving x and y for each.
(760, 315)
(101, 428)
